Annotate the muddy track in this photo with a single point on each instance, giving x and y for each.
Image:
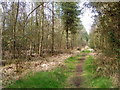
(77, 79)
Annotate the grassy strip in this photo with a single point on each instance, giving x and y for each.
(52, 79)
(85, 51)
(91, 79)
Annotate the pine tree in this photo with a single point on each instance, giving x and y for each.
(70, 13)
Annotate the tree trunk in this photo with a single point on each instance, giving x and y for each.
(67, 41)
(3, 19)
(52, 48)
(38, 31)
(1, 37)
(14, 31)
(42, 36)
(72, 41)
(30, 52)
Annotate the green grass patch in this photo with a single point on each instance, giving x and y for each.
(86, 51)
(50, 79)
(89, 65)
(91, 79)
(71, 64)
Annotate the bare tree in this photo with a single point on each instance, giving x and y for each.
(42, 34)
(52, 49)
(14, 28)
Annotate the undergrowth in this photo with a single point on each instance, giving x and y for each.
(49, 79)
(92, 80)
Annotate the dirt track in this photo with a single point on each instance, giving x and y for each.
(77, 79)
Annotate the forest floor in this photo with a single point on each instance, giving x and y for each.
(44, 64)
(75, 72)
(67, 75)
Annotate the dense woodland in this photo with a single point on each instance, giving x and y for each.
(105, 38)
(42, 29)
(31, 29)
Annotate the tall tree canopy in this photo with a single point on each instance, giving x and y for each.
(70, 13)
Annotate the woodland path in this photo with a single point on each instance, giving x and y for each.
(73, 80)
(77, 79)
